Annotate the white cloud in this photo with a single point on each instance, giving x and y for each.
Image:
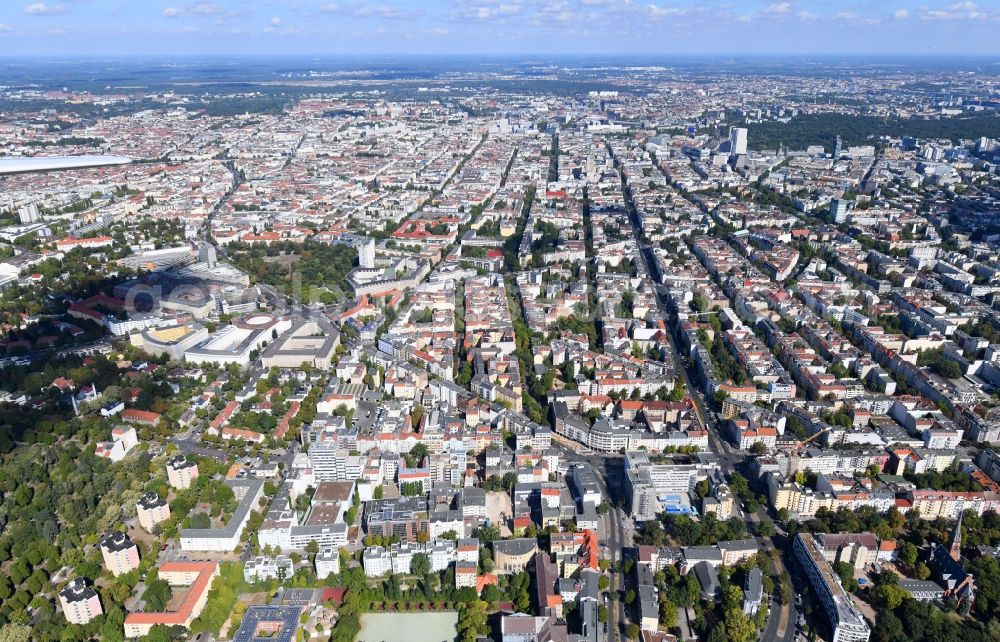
(850, 16)
(332, 7)
(277, 26)
(656, 11)
(557, 11)
(384, 11)
(901, 14)
(778, 8)
(591, 3)
(954, 11)
(806, 16)
(205, 9)
(5, 28)
(481, 10)
(42, 9)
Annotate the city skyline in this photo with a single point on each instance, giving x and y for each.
(500, 321)
(448, 27)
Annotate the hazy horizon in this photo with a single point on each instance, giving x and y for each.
(481, 27)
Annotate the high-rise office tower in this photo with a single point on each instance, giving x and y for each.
(838, 210)
(738, 140)
(366, 253)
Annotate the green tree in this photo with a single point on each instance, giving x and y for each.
(472, 620)
(740, 486)
(739, 627)
(668, 613)
(889, 596)
(846, 573)
(765, 528)
(157, 594)
(908, 554)
(420, 565)
(485, 559)
(522, 598)
(112, 627)
(161, 633)
(889, 628)
(487, 534)
(17, 633)
(492, 594)
(692, 589)
(718, 633)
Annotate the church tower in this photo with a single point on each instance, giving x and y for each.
(955, 545)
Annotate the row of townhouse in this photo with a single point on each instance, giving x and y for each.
(804, 502)
(398, 558)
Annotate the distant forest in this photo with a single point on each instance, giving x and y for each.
(820, 129)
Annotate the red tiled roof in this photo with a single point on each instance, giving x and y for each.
(184, 613)
(141, 416)
(224, 416)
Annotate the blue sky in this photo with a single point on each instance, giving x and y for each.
(60, 27)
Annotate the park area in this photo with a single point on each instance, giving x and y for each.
(415, 627)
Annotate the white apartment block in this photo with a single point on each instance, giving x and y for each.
(465, 574)
(846, 621)
(327, 562)
(80, 603)
(467, 550)
(227, 538)
(120, 553)
(441, 553)
(263, 568)
(333, 463)
(401, 555)
(181, 472)
(151, 510)
(377, 561)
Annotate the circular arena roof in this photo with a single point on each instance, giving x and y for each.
(257, 321)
